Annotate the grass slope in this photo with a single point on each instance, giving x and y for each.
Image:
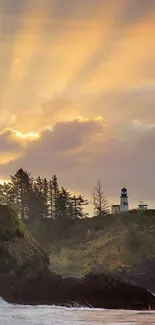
(119, 241)
(18, 249)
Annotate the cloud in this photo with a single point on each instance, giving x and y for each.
(65, 58)
(65, 144)
(10, 147)
(13, 144)
(116, 105)
(126, 104)
(7, 141)
(62, 59)
(133, 11)
(81, 151)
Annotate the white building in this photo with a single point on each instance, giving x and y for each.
(142, 206)
(124, 205)
(115, 208)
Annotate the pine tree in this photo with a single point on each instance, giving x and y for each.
(2, 195)
(101, 207)
(78, 203)
(38, 189)
(50, 200)
(22, 185)
(41, 199)
(9, 193)
(63, 204)
(37, 205)
(45, 198)
(55, 193)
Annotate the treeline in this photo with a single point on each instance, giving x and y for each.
(41, 198)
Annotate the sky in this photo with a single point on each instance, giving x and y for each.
(77, 93)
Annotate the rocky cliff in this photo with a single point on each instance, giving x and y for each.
(121, 244)
(25, 276)
(21, 257)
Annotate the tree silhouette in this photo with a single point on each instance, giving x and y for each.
(101, 206)
(40, 198)
(22, 183)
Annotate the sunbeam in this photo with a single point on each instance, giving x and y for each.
(65, 59)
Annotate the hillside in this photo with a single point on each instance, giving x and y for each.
(25, 277)
(121, 244)
(21, 258)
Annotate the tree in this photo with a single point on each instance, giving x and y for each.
(37, 210)
(9, 193)
(77, 206)
(45, 198)
(101, 207)
(63, 204)
(54, 194)
(40, 190)
(39, 198)
(22, 187)
(51, 199)
(2, 195)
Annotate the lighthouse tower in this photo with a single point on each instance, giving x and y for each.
(124, 206)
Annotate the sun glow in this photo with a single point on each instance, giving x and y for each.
(7, 157)
(3, 181)
(30, 136)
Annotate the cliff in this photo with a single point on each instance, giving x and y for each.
(25, 276)
(21, 257)
(120, 244)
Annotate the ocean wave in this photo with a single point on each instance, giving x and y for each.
(3, 302)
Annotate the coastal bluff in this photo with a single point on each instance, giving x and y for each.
(120, 244)
(25, 276)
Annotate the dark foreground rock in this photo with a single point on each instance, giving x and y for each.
(142, 274)
(98, 291)
(25, 277)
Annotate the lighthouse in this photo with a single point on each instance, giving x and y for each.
(124, 206)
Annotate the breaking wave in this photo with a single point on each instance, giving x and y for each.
(3, 302)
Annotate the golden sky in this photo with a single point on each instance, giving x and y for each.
(77, 92)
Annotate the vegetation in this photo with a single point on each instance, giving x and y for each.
(25, 277)
(18, 249)
(40, 198)
(101, 207)
(108, 244)
(75, 243)
(10, 224)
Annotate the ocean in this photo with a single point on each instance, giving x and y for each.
(51, 315)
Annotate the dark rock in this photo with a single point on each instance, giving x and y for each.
(142, 274)
(98, 291)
